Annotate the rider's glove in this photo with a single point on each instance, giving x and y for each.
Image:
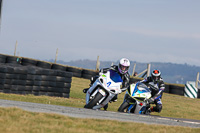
(150, 100)
(100, 73)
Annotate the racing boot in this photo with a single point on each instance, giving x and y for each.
(149, 110)
(105, 107)
(114, 99)
(85, 90)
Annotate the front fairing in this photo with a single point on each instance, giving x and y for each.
(111, 81)
(139, 91)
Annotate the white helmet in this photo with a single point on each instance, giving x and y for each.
(124, 65)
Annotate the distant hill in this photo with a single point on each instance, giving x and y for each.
(171, 72)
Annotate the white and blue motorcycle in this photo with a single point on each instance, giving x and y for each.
(101, 92)
(135, 99)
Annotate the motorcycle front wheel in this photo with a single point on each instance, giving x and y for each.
(123, 107)
(94, 101)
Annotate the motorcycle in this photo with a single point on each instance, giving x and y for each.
(105, 87)
(135, 99)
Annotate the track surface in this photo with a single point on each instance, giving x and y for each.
(98, 114)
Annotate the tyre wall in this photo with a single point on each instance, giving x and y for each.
(33, 77)
(38, 87)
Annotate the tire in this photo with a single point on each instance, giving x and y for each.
(48, 78)
(64, 74)
(20, 70)
(2, 75)
(3, 69)
(94, 101)
(29, 62)
(59, 67)
(178, 90)
(65, 95)
(2, 58)
(63, 79)
(43, 64)
(90, 72)
(86, 76)
(123, 106)
(13, 60)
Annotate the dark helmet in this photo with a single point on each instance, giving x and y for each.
(156, 75)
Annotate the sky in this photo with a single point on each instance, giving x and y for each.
(140, 30)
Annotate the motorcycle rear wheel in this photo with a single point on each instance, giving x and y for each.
(94, 101)
(123, 107)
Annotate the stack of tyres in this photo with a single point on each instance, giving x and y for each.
(2, 59)
(19, 79)
(13, 60)
(87, 74)
(77, 72)
(8, 78)
(3, 71)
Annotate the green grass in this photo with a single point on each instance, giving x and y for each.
(13, 119)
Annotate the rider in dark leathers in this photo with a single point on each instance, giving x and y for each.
(157, 88)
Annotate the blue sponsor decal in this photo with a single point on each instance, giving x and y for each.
(109, 83)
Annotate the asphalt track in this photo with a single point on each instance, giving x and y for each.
(99, 114)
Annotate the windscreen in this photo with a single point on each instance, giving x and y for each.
(142, 88)
(115, 76)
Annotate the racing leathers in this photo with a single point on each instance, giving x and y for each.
(157, 89)
(125, 77)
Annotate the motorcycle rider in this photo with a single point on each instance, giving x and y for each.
(122, 70)
(157, 87)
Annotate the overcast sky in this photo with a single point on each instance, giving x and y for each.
(140, 30)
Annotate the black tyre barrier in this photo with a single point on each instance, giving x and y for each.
(28, 62)
(166, 88)
(90, 72)
(29, 88)
(29, 82)
(77, 72)
(43, 64)
(19, 79)
(30, 77)
(66, 95)
(3, 69)
(20, 70)
(87, 74)
(2, 75)
(13, 60)
(2, 58)
(18, 82)
(198, 94)
(63, 79)
(175, 89)
(9, 76)
(48, 78)
(59, 67)
(64, 74)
